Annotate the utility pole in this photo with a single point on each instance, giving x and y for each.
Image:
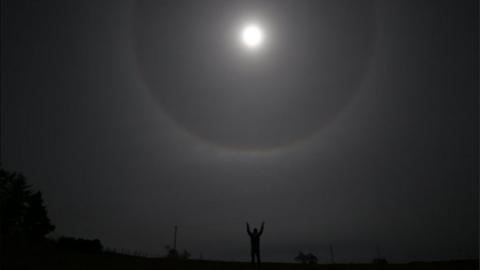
(379, 255)
(332, 256)
(175, 238)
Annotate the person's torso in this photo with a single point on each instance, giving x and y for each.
(255, 239)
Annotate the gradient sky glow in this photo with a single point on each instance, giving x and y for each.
(355, 124)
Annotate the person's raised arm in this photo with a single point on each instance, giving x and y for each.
(261, 228)
(248, 229)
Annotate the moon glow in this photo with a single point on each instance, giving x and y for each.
(252, 36)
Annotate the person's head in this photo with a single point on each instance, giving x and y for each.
(255, 230)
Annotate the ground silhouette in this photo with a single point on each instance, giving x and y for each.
(24, 224)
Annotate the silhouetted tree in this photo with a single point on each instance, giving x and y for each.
(301, 258)
(171, 252)
(15, 192)
(312, 259)
(380, 261)
(36, 222)
(185, 255)
(175, 255)
(22, 213)
(306, 258)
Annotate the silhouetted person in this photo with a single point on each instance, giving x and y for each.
(255, 242)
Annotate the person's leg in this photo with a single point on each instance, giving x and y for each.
(258, 256)
(252, 253)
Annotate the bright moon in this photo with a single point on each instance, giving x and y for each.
(252, 36)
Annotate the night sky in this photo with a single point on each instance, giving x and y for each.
(355, 124)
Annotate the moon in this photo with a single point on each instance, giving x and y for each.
(252, 36)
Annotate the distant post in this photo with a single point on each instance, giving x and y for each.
(175, 238)
(332, 256)
(379, 255)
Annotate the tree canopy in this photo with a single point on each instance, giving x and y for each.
(22, 211)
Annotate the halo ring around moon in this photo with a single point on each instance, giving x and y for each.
(312, 66)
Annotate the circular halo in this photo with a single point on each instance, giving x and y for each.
(303, 80)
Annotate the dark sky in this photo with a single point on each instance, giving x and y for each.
(355, 125)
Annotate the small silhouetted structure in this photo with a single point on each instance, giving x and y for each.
(380, 259)
(80, 245)
(306, 258)
(255, 242)
(172, 253)
(185, 255)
